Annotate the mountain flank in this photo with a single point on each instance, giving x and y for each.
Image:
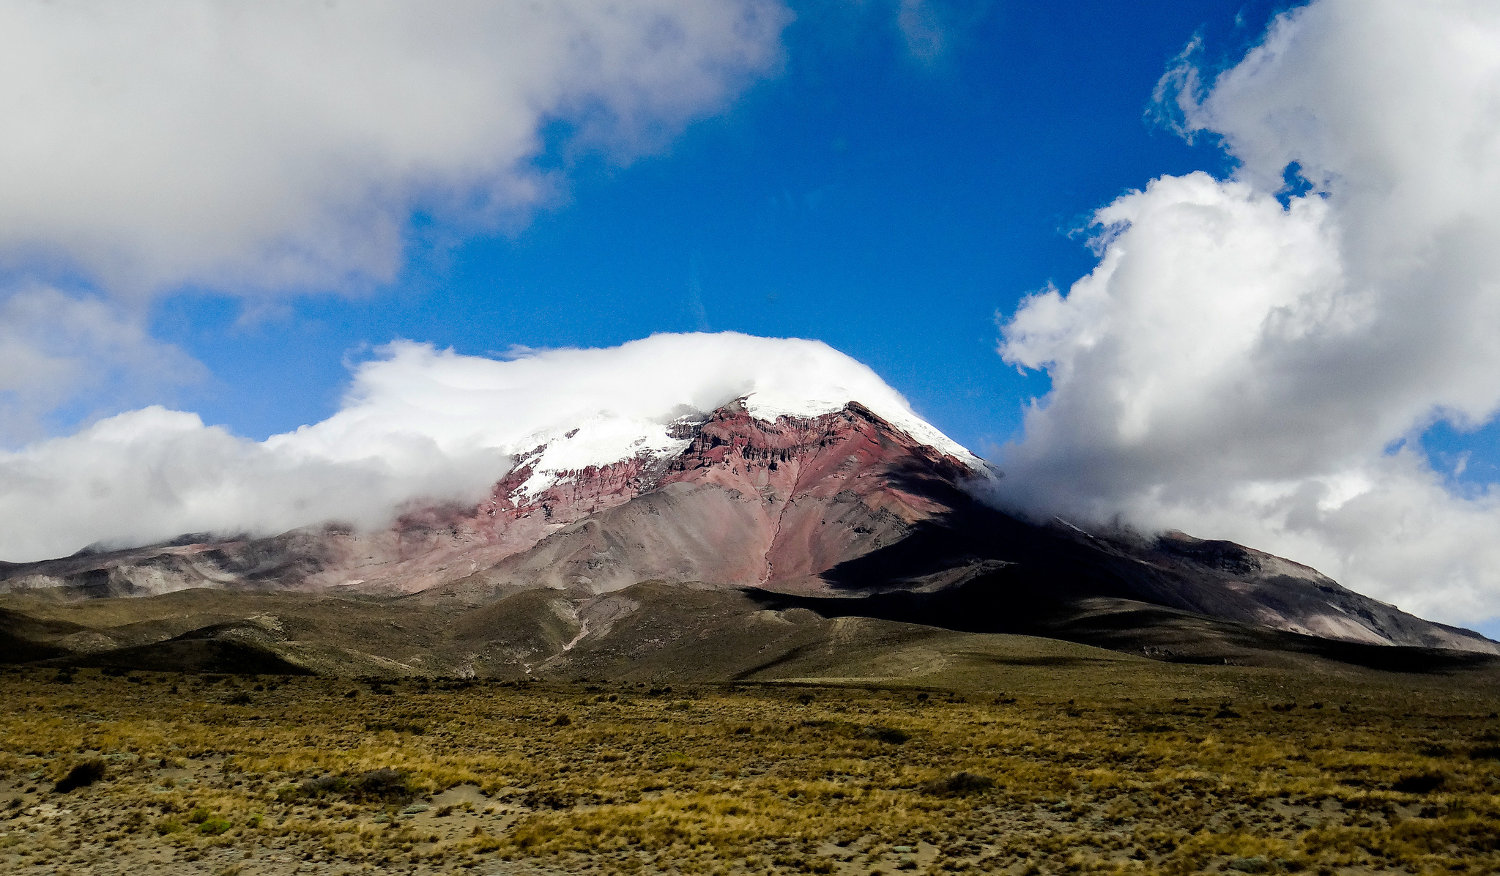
(735, 545)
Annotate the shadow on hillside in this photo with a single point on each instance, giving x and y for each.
(976, 569)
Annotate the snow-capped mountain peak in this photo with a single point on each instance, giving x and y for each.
(420, 424)
(604, 438)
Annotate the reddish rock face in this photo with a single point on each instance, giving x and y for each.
(840, 504)
(830, 488)
(573, 495)
(748, 502)
(435, 545)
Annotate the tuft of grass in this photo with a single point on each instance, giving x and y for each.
(960, 783)
(384, 785)
(888, 735)
(81, 776)
(1419, 783)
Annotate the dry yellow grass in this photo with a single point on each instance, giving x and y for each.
(1163, 774)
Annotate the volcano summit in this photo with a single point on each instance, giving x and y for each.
(673, 496)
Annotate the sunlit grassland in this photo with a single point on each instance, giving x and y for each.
(1170, 769)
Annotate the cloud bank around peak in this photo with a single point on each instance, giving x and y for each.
(1247, 353)
(418, 424)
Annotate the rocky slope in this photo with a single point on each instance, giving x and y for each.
(845, 513)
(742, 501)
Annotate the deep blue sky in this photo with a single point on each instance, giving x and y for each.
(825, 178)
(886, 204)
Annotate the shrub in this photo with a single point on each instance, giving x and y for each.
(1419, 783)
(384, 785)
(545, 799)
(81, 776)
(890, 735)
(960, 783)
(398, 726)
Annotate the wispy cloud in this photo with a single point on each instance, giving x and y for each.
(931, 30)
(88, 349)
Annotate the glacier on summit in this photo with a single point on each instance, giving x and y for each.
(419, 424)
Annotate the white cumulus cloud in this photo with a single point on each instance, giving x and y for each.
(1241, 368)
(418, 424)
(283, 144)
(263, 148)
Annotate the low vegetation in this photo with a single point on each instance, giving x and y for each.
(1220, 769)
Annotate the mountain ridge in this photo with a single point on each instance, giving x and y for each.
(843, 513)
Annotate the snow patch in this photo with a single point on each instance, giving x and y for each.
(636, 400)
(420, 424)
